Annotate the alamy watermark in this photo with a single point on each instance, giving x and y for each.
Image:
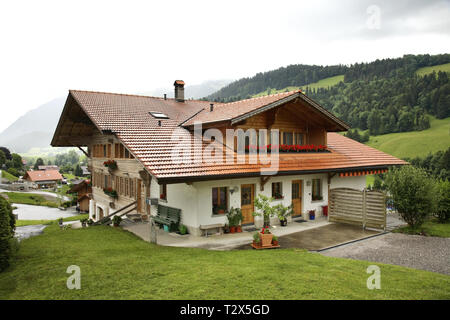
(239, 146)
(373, 22)
(374, 281)
(74, 280)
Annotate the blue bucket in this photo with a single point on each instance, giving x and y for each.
(166, 228)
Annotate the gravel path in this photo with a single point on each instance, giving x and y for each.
(418, 252)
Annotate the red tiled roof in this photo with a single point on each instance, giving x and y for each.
(43, 175)
(128, 117)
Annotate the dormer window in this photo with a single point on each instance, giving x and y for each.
(158, 115)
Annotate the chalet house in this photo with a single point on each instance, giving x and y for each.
(48, 167)
(42, 179)
(83, 189)
(131, 141)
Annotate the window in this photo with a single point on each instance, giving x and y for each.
(163, 191)
(288, 138)
(277, 192)
(220, 200)
(158, 115)
(127, 186)
(121, 187)
(299, 138)
(104, 151)
(132, 188)
(316, 189)
(116, 150)
(121, 151)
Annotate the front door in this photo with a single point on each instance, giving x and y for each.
(139, 195)
(297, 197)
(247, 206)
(100, 213)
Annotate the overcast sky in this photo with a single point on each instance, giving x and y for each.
(49, 47)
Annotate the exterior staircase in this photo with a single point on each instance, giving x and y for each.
(121, 212)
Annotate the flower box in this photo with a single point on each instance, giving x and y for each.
(266, 239)
(111, 192)
(111, 165)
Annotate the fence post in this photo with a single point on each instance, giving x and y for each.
(385, 211)
(364, 213)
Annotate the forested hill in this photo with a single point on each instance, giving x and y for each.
(384, 96)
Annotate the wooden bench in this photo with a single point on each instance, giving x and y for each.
(168, 216)
(212, 226)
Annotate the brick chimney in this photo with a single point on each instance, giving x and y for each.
(179, 90)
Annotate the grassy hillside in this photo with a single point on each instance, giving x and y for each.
(125, 267)
(427, 70)
(415, 143)
(324, 83)
(8, 176)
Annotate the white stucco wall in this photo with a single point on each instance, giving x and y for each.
(195, 200)
(358, 182)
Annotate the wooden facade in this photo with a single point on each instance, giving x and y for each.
(125, 180)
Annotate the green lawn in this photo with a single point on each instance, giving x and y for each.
(426, 70)
(21, 223)
(415, 143)
(29, 198)
(324, 83)
(429, 228)
(9, 176)
(115, 264)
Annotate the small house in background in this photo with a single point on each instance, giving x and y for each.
(42, 179)
(83, 189)
(48, 167)
(86, 172)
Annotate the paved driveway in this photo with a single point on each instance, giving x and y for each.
(322, 237)
(418, 252)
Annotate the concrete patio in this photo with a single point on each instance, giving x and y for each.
(219, 242)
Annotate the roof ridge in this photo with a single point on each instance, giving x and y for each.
(288, 93)
(134, 95)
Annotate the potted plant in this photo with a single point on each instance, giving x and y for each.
(90, 222)
(262, 203)
(234, 219)
(256, 239)
(266, 237)
(84, 222)
(283, 212)
(116, 221)
(182, 229)
(221, 209)
(274, 240)
(312, 214)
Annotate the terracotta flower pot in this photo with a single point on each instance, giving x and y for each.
(266, 239)
(275, 242)
(238, 229)
(232, 229)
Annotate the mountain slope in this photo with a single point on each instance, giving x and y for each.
(35, 128)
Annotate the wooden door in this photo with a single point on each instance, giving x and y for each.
(247, 203)
(100, 213)
(139, 195)
(297, 197)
